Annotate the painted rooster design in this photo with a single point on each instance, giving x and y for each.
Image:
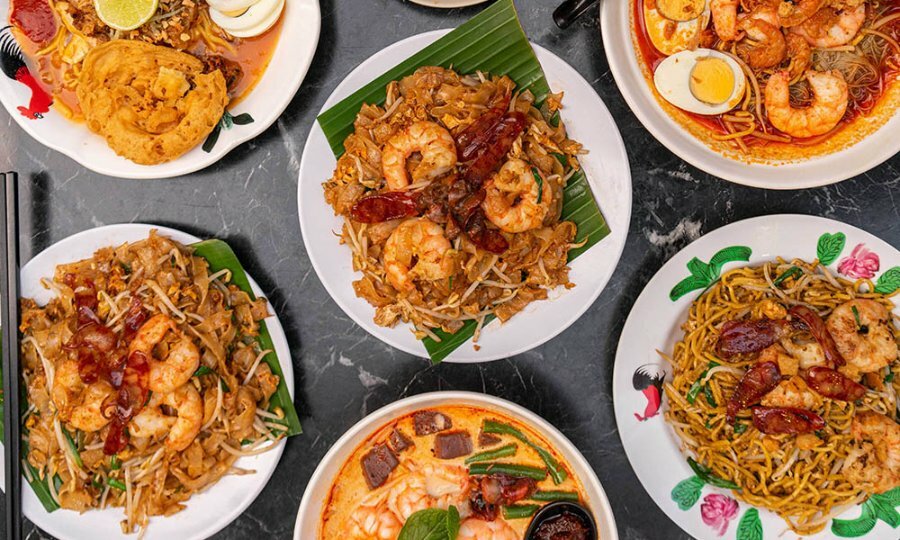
(648, 379)
(13, 65)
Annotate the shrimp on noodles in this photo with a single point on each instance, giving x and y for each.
(830, 98)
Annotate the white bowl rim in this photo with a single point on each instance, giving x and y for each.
(147, 172)
(601, 508)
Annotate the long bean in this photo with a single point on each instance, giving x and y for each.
(547, 496)
(511, 469)
(491, 455)
(557, 472)
(519, 511)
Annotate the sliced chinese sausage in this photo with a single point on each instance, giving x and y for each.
(398, 441)
(428, 422)
(452, 444)
(377, 465)
(488, 439)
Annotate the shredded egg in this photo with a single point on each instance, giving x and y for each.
(702, 81)
(669, 35)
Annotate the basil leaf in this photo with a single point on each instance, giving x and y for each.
(431, 524)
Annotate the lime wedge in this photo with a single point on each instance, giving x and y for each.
(125, 14)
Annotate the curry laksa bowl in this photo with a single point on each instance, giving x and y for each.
(436, 458)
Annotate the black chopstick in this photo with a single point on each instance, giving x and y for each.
(9, 298)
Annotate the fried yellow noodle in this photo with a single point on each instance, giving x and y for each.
(472, 283)
(182, 440)
(803, 477)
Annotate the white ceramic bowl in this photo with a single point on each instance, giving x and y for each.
(307, 525)
(817, 171)
(587, 121)
(290, 61)
(206, 513)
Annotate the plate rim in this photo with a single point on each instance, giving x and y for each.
(676, 261)
(384, 415)
(148, 172)
(824, 170)
(272, 322)
(617, 142)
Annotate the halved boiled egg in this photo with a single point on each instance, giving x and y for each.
(669, 35)
(249, 22)
(702, 81)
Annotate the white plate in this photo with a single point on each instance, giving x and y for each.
(818, 171)
(314, 498)
(207, 512)
(655, 324)
(587, 120)
(290, 61)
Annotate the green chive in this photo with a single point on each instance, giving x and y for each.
(118, 484)
(522, 471)
(540, 183)
(709, 396)
(114, 464)
(789, 273)
(519, 511)
(563, 160)
(548, 496)
(203, 370)
(706, 475)
(557, 472)
(73, 447)
(740, 428)
(694, 390)
(491, 455)
(889, 377)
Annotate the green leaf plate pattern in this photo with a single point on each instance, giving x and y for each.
(703, 275)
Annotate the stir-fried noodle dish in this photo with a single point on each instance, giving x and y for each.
(785, 388)
(451, 195)
(773, 78)
(145, 381)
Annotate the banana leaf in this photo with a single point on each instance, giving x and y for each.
(219, 256)
(492, 42)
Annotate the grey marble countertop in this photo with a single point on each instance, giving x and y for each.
(249, 199)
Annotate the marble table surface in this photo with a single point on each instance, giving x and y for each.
(249, 199)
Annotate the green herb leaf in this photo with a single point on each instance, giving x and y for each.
(431, 524)
(220, 256)
(706, 475)
(750, 526)
(889, 281)
(829, 247)
(687, 492)
(791, 272)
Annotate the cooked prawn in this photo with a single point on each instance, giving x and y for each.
(374, 521)
(515, 201)
(478, 529)
(794, 13)
(770, 47)
(829, 103)
(431, 141)
(181, 429)
(407, 496)
(808, 353)
(793, 392)
(831, 28)
(79, 405)
(418, 249)
(874, 465)
(445, 485)
(725, 20)
(800, 53)
(179, 364)
(862, 332)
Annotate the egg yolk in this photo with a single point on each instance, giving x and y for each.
(712, 81)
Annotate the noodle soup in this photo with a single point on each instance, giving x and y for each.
(493, 470)
(826, 93)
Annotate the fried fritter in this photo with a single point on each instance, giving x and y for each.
(151, 103)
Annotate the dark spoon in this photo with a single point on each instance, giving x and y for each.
(570, 10)
(558, 508)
